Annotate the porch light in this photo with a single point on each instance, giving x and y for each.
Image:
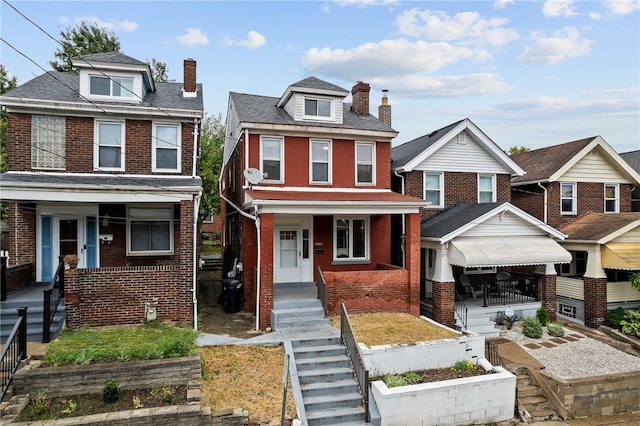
(105, 220)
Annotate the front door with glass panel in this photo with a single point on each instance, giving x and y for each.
(288, 254)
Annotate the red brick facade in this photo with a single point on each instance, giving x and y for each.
(22, 231)
(547, 294)
(595, 301)
(444, 297)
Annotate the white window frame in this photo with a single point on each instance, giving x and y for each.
(477, 270)
(132, 218)
(440, 176)
(331, 115)
(615, 199)
(493, 188)
(48, 142)
(367, 248)
(178, 148)
(328, 146)
(115, 82)
(373, 163)
(97, 145)
(573, 198)
(267, 178)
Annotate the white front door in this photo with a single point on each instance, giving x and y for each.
(288, 254)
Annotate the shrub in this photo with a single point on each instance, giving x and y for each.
(631, 323)
(111, 392)
(531, 327)
(555, 329)
(613, 318)
(463, 365)
(543, 316)
(393, 380)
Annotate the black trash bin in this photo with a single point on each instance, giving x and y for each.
(232, 295)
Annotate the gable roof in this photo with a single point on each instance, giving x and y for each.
(633, 159)
(551, 163)
(601, 227)
(409, 155)
(312, 85)
(110, 57)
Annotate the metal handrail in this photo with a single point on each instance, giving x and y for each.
(14, 351)
(461, 310)
(52, 297)
(362, 374)
(322, 291)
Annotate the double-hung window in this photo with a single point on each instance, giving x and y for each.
(271, 154)
(568, 198)
(351, 239)
(486, 189)
(48, 139)
(433, 189)
(149, 230)
(318, 108)
(320, 161)
(365, 163)
(611, 198)
(109, 145)
(166, 148)
(118, 87)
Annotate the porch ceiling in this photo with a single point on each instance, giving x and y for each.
(624, 256)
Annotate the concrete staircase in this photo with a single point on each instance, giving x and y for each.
(532, 402)
(35, 308)
(478, 320)
(329, 389)
(296, 305)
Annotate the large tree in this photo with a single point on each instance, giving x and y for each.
(83, 39)
(211, 152)
(6, 84)
(159, 71)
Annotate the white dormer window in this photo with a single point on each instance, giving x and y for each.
(318, 108)
(117, 87)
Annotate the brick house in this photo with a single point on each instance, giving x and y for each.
(102, 164)
(469, 229)
(584, 189)
(307, 193)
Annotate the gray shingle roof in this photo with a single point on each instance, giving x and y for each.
(111, 57)
(454, 218)
(402, 154)
(633, 159)
(594, 226)
(316, 83)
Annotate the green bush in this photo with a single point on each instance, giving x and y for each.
(543, 316)
(111, 392)
(631, 323)
(463, 365)
(531, 327)
(613, 318)
(555, 329)
(393, 380)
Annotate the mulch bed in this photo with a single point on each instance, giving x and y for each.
(440, 374)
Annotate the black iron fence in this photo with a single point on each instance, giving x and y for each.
(322, 291)
(3, 278)
(14, 351)
(362, 374)
(461, 310)
(515, 289)
(52, 297)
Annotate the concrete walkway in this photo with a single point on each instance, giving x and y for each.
(274, 338)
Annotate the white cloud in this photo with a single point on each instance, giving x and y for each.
(254, 40)
(563, 44)
(450, 86)
(595, 16)
(501, 4)
(555, 8)
(622, 7)
(547, 106)
(469, 28)
(110, 25)
(358, 3)
(612, 92)
(192, 37)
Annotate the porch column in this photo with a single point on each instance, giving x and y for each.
(547, 288)
(266, 270)
(595, 289)
(444, 289)
(412, 254)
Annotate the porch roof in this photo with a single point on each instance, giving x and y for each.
(327, 201)
(103, 188)
(624, 256)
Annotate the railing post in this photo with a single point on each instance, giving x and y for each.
(22, 333)
(3, 278)
(61, 276)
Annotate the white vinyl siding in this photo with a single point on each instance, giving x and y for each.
(621, 292)
(504, 225)
(295, 108)
(570, 287)
(593, 167)
(48, 142)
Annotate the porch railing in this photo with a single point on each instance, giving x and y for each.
(14, 351)
(3, 278)
(517, 289)
(362, 374)
(52, 297)
(322, 291)
(461, 310)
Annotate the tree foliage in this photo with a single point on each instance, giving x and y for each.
(159, 71)
(518, 150)
(6, 84)
(211, 152)
(83, 39)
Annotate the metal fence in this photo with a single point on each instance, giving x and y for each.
(14, 351)
(52, 297)
(362, 374)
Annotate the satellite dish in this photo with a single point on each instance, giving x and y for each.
(254, 176)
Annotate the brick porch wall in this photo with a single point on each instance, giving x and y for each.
(18, 276)
(266, 269)
(595, 301)
(22, 235)
(547, 294)
(444, 303)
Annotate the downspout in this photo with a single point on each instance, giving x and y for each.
(544, 189)
(196, 209)
(404, 231)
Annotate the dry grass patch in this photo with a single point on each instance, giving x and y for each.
(393, 328)
(247, 377)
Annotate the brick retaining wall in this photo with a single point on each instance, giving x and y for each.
(18, 276)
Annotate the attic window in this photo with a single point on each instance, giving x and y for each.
(120, 87)
(318, 108)
(462, 138)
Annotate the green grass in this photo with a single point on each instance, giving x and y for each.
(210, 247)
(153, 341)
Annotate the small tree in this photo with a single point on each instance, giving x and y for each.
(518, 149)
(211, 152)
(159, 71)
(83, 39)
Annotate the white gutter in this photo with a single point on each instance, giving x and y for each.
(404, 231)
(545, 201)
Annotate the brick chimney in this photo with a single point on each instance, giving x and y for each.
(189, 82)
(360, 94)
(384, 110)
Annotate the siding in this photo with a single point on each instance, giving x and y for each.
(570, 287)
(507, 224)
(593, 168)
(621, 292)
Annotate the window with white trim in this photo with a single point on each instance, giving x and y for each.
(351, 238)
(271, 154)
(149, 230)
(433, 189)
(365, 163)
(611, 198)
(318, 108)
(48, 142)
(480, 270)
(320, 162)
(166, 148)
(486, 188)
(568, 198)
(109, 145)
(116, 87)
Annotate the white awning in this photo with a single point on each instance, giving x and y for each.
(506, 251)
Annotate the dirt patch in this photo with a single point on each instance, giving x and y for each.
(432, 375)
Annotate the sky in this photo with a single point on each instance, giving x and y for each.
(527, 73)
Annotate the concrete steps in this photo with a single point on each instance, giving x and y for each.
(35, 311)
(532, 399)
(479, 321)
(296, 306)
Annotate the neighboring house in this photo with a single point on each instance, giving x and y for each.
(606, 250)
(633, 159)
(584, 189)
(469, 229)
(306, 189)
(102, 164)
(563, 182)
